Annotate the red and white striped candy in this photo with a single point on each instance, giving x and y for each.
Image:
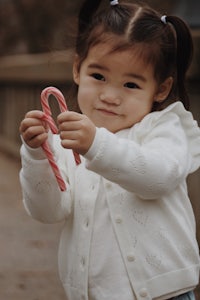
(48, 118)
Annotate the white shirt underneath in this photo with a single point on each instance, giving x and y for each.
(108, 278)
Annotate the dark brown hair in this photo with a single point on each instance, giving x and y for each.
(167, 46)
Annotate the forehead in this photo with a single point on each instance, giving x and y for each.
(108, 53)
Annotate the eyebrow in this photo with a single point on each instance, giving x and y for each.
(104, 68)
(136, 76)
(97, 66)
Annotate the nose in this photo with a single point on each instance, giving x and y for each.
(111, 98)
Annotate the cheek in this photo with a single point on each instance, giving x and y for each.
(83, 98)
(137, 110)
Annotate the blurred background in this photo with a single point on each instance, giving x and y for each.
(35, 52)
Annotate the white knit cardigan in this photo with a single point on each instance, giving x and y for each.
(142, 171)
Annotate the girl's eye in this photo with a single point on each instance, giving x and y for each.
(131, 85)
(98, 76)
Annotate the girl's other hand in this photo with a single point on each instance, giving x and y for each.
(77, 132)
(34, 129)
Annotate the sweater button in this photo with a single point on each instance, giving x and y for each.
(93, 187)
(130, 257)
(143, 293)
(86, 222)
(83, 262)
(118, 219)
(108, 185)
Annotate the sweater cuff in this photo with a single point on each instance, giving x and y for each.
(36, 153)
(95, 145)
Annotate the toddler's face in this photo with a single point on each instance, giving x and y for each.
(116, 90)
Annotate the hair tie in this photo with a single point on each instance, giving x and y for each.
(164, 19)
(114, 2)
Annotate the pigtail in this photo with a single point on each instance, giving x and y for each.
(87, 10)
(184, 55)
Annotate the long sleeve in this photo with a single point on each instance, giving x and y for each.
(42, 197)
(151, 161)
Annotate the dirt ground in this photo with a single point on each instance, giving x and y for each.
(28, 249)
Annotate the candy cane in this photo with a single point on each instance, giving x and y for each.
(48, 118)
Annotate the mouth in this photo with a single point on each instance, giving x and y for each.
(107, 112)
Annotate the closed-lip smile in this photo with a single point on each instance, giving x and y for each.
(107, 111)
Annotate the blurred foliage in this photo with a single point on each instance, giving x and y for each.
(33, 26)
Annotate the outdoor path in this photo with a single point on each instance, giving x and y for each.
(28, 249)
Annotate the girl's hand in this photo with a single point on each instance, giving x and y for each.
(77, 132)
(33, 129)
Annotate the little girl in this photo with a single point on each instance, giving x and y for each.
(129, 230)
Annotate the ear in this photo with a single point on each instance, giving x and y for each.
(164, 89)
(76, 69)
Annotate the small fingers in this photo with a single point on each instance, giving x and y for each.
(31, 122)
(38, 114)
(34, 129)
(38, 140)
(69, 116)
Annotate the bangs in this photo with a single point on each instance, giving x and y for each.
(147, 53)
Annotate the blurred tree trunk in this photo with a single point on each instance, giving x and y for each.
(26, 27)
